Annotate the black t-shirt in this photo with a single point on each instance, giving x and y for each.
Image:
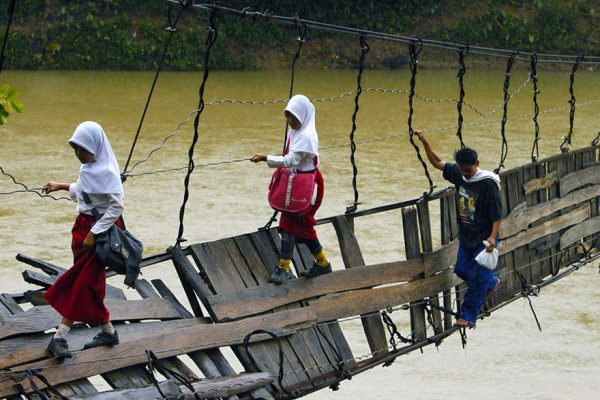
(479, 205)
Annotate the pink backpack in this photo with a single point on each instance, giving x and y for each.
(291, 192)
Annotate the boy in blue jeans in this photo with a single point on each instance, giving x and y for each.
(479, 214)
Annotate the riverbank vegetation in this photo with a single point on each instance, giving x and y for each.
(129, 35)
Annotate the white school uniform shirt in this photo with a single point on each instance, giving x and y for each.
(303, 144)
(100, 179)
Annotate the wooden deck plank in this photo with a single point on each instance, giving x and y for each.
(245, 302)
(348, 304)
(99, 360)
(42, 318)
(579, 231)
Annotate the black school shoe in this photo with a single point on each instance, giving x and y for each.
(59, 348)
(280, 275)
(103, 339)
(316, 270)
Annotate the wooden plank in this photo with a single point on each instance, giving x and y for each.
(167, 388)
(54, 272)
(99, 360)
(574, 217)
(522, 216)
(211, 362)
(440, 259)
(412, 250)
(245, 302)
(42, 318)
(190, 279)
(579, 231)
(580, 178)
(427, 245)
(28, 348)
(447, 236)
(348, 304)
(541, 183)
(228, 386)
(352, 257)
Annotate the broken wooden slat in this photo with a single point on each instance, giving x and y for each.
(352, 257)
(256, 300)
(544, 182)
(99, 360)
(42, 318)
(167, 388)
(579, 178)
(228, 386)
(574, 217)
(46, 281)
(579, 231)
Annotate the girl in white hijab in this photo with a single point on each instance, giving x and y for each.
(301, 155)
(78, 295)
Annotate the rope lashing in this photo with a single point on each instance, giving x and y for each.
(461, 73)
(210, 41)
(364, 49)
(535, 152)
(301, 30)
(504, 150)
(566, 144)
(171, 30)
(11, 13)
(414, 53)
(280, 358)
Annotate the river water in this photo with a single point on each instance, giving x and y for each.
(506, 356)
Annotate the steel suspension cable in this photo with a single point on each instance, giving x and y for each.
(364, 49)
(171, 30)
(461, 73)
(566, 144)
(301, 30)
(414, 53)
(504, 150)
(535, 152)
(210, 41)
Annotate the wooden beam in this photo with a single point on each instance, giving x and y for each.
(348, 304)
(39, 319)
(99, 360)
(579, 178)
(413, 250)
(256, 300)
(168, 388)
(554, 225)
(522, 216)
(352, 256)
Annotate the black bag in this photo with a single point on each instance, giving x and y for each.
(118, 249)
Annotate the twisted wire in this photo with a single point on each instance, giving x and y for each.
(364, 49)
(535, 152)
(504, 149)
(462, 69)
(566, 144)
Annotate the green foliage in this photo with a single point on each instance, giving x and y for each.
(8, 102)
(130, 35)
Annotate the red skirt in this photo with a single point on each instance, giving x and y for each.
(79, 293)
(302, 225)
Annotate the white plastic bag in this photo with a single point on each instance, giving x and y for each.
(487, 259)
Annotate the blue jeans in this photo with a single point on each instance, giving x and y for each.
(479, 280)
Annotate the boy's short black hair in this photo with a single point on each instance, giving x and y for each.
(466, 156)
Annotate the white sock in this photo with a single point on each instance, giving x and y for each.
(108, 328)
(62, 331)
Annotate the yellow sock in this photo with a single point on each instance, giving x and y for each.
(284, 263)
(321, 259)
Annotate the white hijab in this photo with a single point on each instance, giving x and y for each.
(304, 139)
(482, 174)
(101, 176)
